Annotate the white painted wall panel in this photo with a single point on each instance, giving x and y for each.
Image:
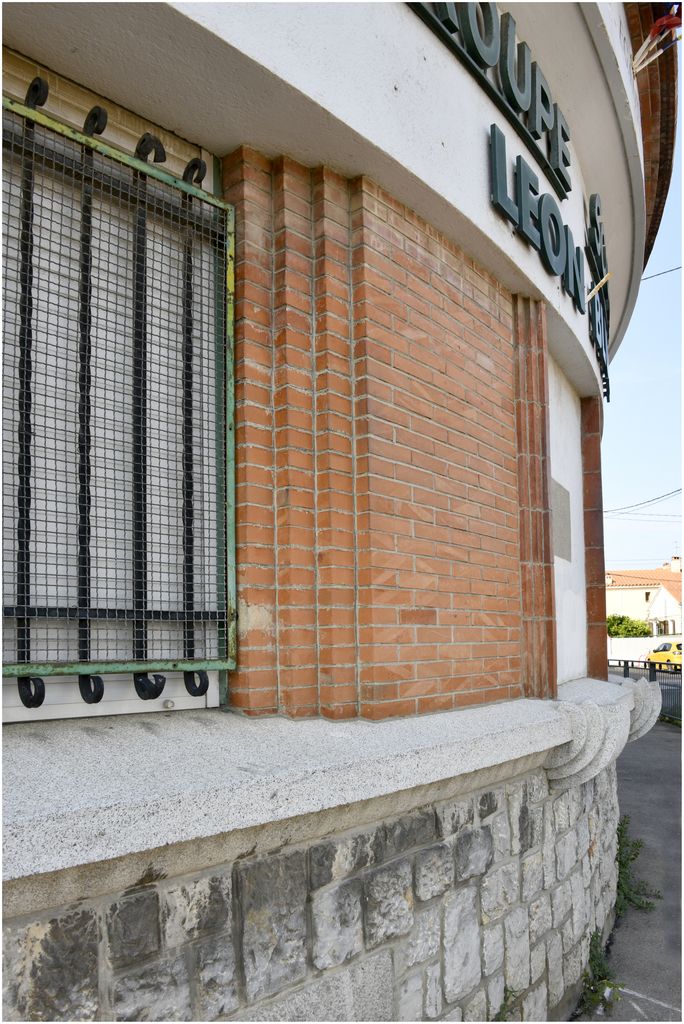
(566, 468)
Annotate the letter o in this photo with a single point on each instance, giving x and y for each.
(483, 48)
(553, 249)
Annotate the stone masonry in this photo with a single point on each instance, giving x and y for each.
(433, 916)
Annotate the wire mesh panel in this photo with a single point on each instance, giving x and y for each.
(115, 332)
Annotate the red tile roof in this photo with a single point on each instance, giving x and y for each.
(674, 587)
(672, 581)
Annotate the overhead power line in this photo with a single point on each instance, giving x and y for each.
(654, 515)
(639, 504)
(641, 522)
(645, 562)
(636, 516)
(670, 271)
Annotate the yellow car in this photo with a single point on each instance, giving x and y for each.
(667, 653)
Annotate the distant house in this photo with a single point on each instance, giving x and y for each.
(651, 594)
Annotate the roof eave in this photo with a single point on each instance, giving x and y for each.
(657, 85)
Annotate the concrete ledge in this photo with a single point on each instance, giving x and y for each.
(594, 691)
(600, 713)
(648, 701)
(82, 791)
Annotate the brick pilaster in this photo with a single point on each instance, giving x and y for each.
(334, 426)
(247, 184)
(538, 646)
(294, 398)
(377, 489)
(594, 561)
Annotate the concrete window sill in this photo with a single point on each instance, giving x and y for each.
(78, 792)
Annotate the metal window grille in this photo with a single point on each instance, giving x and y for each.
(117, 412)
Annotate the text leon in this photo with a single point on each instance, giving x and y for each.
(537, 218)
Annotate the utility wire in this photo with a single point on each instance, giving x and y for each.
(636, 516)
(643, 522)
(670, 271)
(640, 561)
(650, 501)
(646, 515)
(656, 515)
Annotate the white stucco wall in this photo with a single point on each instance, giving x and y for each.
(69, 102)
(631, 648)
(630, 601)
(368, 89)
(566, 469)
(664, 606)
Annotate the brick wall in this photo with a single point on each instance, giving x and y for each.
(439, 576)
(538, 648)
(595, 569)
(379, 560)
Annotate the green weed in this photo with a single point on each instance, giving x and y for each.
(631, 891)
(507, 1004)
(598, 986)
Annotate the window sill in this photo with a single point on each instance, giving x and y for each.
(78, 792)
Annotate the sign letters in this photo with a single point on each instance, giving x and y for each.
(485, 43)
(537, 218)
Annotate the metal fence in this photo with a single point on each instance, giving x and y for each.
(116, 344)
(669, 678)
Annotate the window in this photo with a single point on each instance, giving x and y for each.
(647, 595)
(117, 423)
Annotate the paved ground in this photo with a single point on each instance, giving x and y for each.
(645, 954)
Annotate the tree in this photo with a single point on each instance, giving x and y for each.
(622, 625)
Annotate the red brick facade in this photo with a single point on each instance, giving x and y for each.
(393, 542)
(538, 647)
(657, 87)
(595, 571)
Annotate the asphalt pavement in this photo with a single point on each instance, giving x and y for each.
(645, 953)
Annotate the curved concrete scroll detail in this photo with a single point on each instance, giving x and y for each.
(648, 701)
(601, 716)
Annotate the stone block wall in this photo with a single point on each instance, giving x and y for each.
(430, 916)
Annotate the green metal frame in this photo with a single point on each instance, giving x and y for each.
(105, 149)
(225, 433)
(226, 422)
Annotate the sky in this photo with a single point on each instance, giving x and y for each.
(641, 445)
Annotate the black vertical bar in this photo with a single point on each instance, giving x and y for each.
(140, 424)
(188, 484)
(84, 412)
(25, 427)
